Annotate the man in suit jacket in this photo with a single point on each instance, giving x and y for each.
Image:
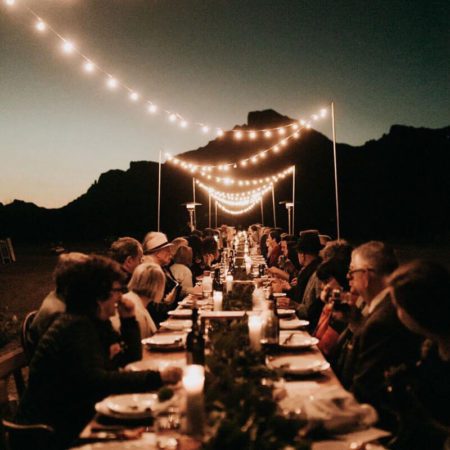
(382, 341)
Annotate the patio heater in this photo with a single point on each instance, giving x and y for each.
(190, 206)
(289, 206)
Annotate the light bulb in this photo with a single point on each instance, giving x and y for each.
(134, 96)
(219, 132)
(112, 83)
(68, 47)
(88, 67)
(323, 112)
(238, 134)
(183, 124)
(281, 131)
(267, 134)
(40, 26)
(172, 117)
(252, 135)
(205, 129)
(152, 108)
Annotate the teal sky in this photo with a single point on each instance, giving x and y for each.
(213, 61)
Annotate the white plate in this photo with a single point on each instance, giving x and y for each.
(293, 324)
(298, 366)
(221, 314)
(282, 312)
(176, 325)
(131, 405)
(297, 341)
(180, 313)
(165, 341)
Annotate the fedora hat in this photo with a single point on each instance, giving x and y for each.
(154, 242)
(309, 242)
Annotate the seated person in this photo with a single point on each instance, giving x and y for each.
(75, 363)
(146, 286)
(53, 304)
(180, 268)
(128, 252)
(421, 391)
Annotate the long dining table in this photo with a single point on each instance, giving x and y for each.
(294, 389)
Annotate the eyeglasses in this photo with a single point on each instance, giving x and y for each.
(351, 272)
(122, 290)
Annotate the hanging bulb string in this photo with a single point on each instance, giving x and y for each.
(113, 83)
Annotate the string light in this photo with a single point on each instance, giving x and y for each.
(40, 26)
(69, 48)
(255, 158)
(89, 67)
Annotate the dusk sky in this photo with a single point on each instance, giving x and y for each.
(212, 61)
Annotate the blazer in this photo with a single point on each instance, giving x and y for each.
(381, 343)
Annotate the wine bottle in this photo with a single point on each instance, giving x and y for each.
(195, 342)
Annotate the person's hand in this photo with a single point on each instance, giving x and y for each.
(294, 282)
(114, 350)
(171, 375)
(325, 293)
(276, 286)
(125, 308)
(283, 302)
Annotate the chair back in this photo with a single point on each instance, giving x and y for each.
(27, 340)
(21, 437)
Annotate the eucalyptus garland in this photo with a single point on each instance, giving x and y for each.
(239, 298)
(241, 409)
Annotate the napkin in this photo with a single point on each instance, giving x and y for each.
(333, 410)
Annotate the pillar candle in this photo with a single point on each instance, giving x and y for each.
(193, 382)
(254, 332)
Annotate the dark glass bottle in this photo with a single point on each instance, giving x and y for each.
(271, 328)
(217, 282)
(195, 342)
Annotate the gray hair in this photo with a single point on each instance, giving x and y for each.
(379, 256)
(148, 280)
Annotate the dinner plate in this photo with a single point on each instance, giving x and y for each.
(180, 313)
(221, 314)
(132, 404)
(173, 341)
(282, 312)
(298, 366)
(293, 324)
(296, 340)
(176, 325)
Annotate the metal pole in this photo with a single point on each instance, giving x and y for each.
(193, 196)
(159, 190)
(293, 201)
(274, 208)
(338, 227)
(216, 212)
(209, 210)
(289, 220)
(262, 212)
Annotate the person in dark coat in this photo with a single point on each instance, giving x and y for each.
(421, 392)
(75, 364)
(382, 341)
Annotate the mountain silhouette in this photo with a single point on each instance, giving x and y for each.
(396, 187)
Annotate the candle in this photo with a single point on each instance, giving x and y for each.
(229, 282)
(217, 300)
(193, 382)
(254, 332)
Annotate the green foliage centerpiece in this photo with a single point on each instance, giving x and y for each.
(241, 409)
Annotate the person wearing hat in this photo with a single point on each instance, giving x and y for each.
(308, 248)
(158, 250)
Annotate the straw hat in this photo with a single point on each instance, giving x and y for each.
(155, 241)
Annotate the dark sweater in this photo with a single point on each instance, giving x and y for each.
(71, 370)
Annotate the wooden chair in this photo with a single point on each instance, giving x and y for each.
(27, 341)
(22, 437)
